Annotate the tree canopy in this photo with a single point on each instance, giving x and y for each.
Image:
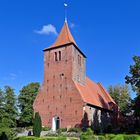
(120, 94)
(134, 80)
(25, 100)
(8, 107)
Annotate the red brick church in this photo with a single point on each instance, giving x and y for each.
(67, 97)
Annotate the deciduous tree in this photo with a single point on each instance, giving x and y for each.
(134, 80)
(1, 105)
(120, 94)
(25, 100)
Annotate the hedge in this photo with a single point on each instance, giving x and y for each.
(36, 138)
(110, 137)
(85, 137)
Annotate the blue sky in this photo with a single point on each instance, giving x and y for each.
(107, 31)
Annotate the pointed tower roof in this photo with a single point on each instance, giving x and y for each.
(65, 37)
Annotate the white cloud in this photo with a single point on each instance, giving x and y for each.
(13, 76)
(47, 29)
(72, 25)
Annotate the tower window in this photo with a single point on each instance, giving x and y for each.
(59, 55)
(79, 60)
(56, 56)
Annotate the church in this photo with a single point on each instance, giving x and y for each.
(67, 97)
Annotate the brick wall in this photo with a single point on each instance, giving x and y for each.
(58, 94)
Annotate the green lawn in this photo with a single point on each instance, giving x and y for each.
(44, 138)
(91, 137)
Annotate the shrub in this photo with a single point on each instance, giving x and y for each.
(88, 132)
(46, 128)
(25, 138)
(7, 133)
(29, 127)
(131, 137)
(87, 135)
(74, 130)
(101, 138)
(118, 137)
(37, 125)
(110, 136)
(42, 138)
(63, 129)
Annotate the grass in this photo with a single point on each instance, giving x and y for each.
(43, 138)
(85, 137)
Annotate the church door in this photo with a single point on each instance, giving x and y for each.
(55, 123)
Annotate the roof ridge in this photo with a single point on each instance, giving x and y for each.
(104, 91)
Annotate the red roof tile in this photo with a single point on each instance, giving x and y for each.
(64, 37)
(94, 94)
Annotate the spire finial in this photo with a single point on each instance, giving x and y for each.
(65, 5)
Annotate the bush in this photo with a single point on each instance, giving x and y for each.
(88, 132)
(37, 125)
(46, 128)
(42, 138)
(131, 137)
(101, 138)
(74, 130)
(110, 136)
(29, 127)
(7, 133)
(118, 137)
(87, 135)
(63, 129)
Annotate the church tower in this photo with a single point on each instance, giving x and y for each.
(58, 98)
(64, 58)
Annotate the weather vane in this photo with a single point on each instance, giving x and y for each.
(65, 5)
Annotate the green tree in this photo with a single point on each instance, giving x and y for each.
(37, 125)
(1, 105)
(10, 110)
(120, 94)
(25, 100)
(134, 81)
